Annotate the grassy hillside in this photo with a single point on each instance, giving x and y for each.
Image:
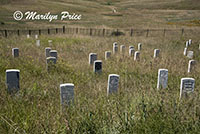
(98, 13)
(137, 108)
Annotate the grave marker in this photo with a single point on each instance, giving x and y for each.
(156, 53)
(139, 46)
(38, 43)
(36, 36)
(187, 86)
(191, 65)
(115, 48)
(131, 52)
(15, 52)
(97, 67)
(47, 51)
(122, 49)
(107, 54)
(12, 80)
(92, 58)
(190, 42)
(137, 56)
(67, 93)
(53, 53)
(190, 54)
(50, 42)
(162, 78)
(50, 63)
(185, 51)
(113, 83)
(187, 44)
(27, 36)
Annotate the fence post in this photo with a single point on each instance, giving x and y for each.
(18, 32)
(103, 32)
(48, 31)
(77, 30)
(131, 32)
(147, 33)
(6, 33)
(39, 32)
(164, 32)
(56, 30)
(29, 32)
(90, 31)
(64, 29)
(182, 31)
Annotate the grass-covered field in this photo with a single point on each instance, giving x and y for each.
(138, 107)
(99, 13)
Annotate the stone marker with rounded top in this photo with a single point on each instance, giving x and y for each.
(53, 53)
(187, 86)
(27, 36)
(107, 54)
(92, 58)
(50, 63)
(97, 67)
(185, 51)
(115, 48)
(15, 52)
(139, 46)
(190, 42)
(137, 56)
(162, 78)
(67, 94)
(191, 65)
(113, 83)
(156, 53)
(122, 49)
(131, 47)
(47, 51)
(187, 44)
(38, 43)
(131, 52)
(12, 80)
(190, 54)
(36, 36)
(50, 42)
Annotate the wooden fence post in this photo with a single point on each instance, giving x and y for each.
(39, 32)
(64, 29)
(131, 32)
(56, 30)
(182, 31)
(90, 31)
(164, 32)
(147, 33)
(18, 32)
(6, 33)
(48, 31)
(29, 32)
(103, 32)
(77, 30)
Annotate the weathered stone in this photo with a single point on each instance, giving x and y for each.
(47, 51)
(113, 83)
(107, 54)
(191, 65)
(162, 78)
(67, 93)
(15, 52)
(12, 80)
(53, 53)
(187, 86)
(137, 56)
(97, 67)
(92, 58)
(156, 53)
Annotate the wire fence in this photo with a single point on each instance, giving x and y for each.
(101, 32)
